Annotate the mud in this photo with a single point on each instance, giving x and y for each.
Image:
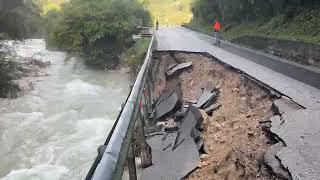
(234, 139)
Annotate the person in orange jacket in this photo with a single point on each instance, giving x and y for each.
(216, 28)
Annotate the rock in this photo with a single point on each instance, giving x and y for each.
(202, 164)
(250, 134)
(204, 157)
(206, 148)
(205, 118)
(191, 83)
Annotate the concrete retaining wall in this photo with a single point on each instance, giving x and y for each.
(304, 53)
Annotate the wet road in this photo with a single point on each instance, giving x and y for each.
(300, 84)
(305, 74)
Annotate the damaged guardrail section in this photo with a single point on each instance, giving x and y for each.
(119, 149)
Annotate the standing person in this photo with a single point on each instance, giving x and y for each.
(157, 25)
(216, 27)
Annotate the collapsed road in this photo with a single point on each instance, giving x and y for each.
(297, 103)
(212, 122)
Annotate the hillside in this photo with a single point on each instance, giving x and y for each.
(169, 12)
(304, 26)
(48, 5)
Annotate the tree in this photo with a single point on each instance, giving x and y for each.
(98, 30)
(19, 19)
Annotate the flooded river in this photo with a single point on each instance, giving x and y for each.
(52, 132)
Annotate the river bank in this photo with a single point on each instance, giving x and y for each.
(21, 67)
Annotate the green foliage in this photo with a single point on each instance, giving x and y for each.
(169, 12)
(303, 27)
(98, 30)
(19, 19)
(7, 87)
(136, 54)
(49, 5)
(230, 11)
(283, 19)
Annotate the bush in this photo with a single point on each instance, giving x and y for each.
(97, 30)
(20, 19)
(7, 87)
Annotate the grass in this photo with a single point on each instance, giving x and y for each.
(135, 55)
(305, 27)
(169, 12)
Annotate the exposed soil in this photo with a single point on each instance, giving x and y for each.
(234, 142)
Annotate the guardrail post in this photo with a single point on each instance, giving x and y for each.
(131, 163)
(148, 99)
(145, 150)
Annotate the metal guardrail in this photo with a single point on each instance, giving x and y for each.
(114, 154)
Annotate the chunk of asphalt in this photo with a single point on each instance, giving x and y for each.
(206, 99)
(301, 134)
(172, 164)
(192, 120)
(166, 106)
(199, 143)
(276, 122)
(211, 101)
(171, 66)
(163, 97)
(212, 108)
(273, 163)
(177, 69)
(285, 105)
(195, 133)
(180, 114)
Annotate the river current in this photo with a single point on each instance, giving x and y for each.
(53, 131)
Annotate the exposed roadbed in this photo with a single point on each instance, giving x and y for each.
(235, 137)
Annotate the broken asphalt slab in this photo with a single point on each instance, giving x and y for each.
(300, 131)
(206, 99)
(165, 105)
(172, 164)
(175, 154)
(285, 105)
(189, 126)
(273, 163)
(178, 68)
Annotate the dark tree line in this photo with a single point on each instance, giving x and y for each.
(234, 11)
(19, 18)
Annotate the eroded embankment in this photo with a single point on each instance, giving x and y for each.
(236, 136)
